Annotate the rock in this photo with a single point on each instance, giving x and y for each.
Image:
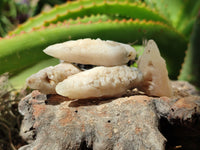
(130, 122)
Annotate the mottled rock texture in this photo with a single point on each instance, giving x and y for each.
(132, 122)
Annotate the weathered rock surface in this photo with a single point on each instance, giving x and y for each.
(126, 123)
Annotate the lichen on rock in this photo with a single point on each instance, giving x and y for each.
(133, 122)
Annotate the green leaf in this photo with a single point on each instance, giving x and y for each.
(26, 49)
(83, 8)
(181, 13)
(191, 67)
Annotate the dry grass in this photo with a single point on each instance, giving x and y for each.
(10, 119)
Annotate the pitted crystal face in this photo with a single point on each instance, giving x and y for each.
(46, 79)
(155, 75)
(99, 82)
(94, 52)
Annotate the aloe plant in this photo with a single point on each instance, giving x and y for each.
(191, 68)
(169, 23)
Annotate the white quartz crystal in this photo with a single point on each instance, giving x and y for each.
(94, 52)
(46, 79)
(155, 75)
(99, 82)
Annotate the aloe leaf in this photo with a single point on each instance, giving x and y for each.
(124, 10)
(82, 8)
(85, 19)
(182, 13)
(191, 67)
(25, 50)
(169, 8)
(188, 16)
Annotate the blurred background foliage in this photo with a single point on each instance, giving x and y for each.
(15, 12)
